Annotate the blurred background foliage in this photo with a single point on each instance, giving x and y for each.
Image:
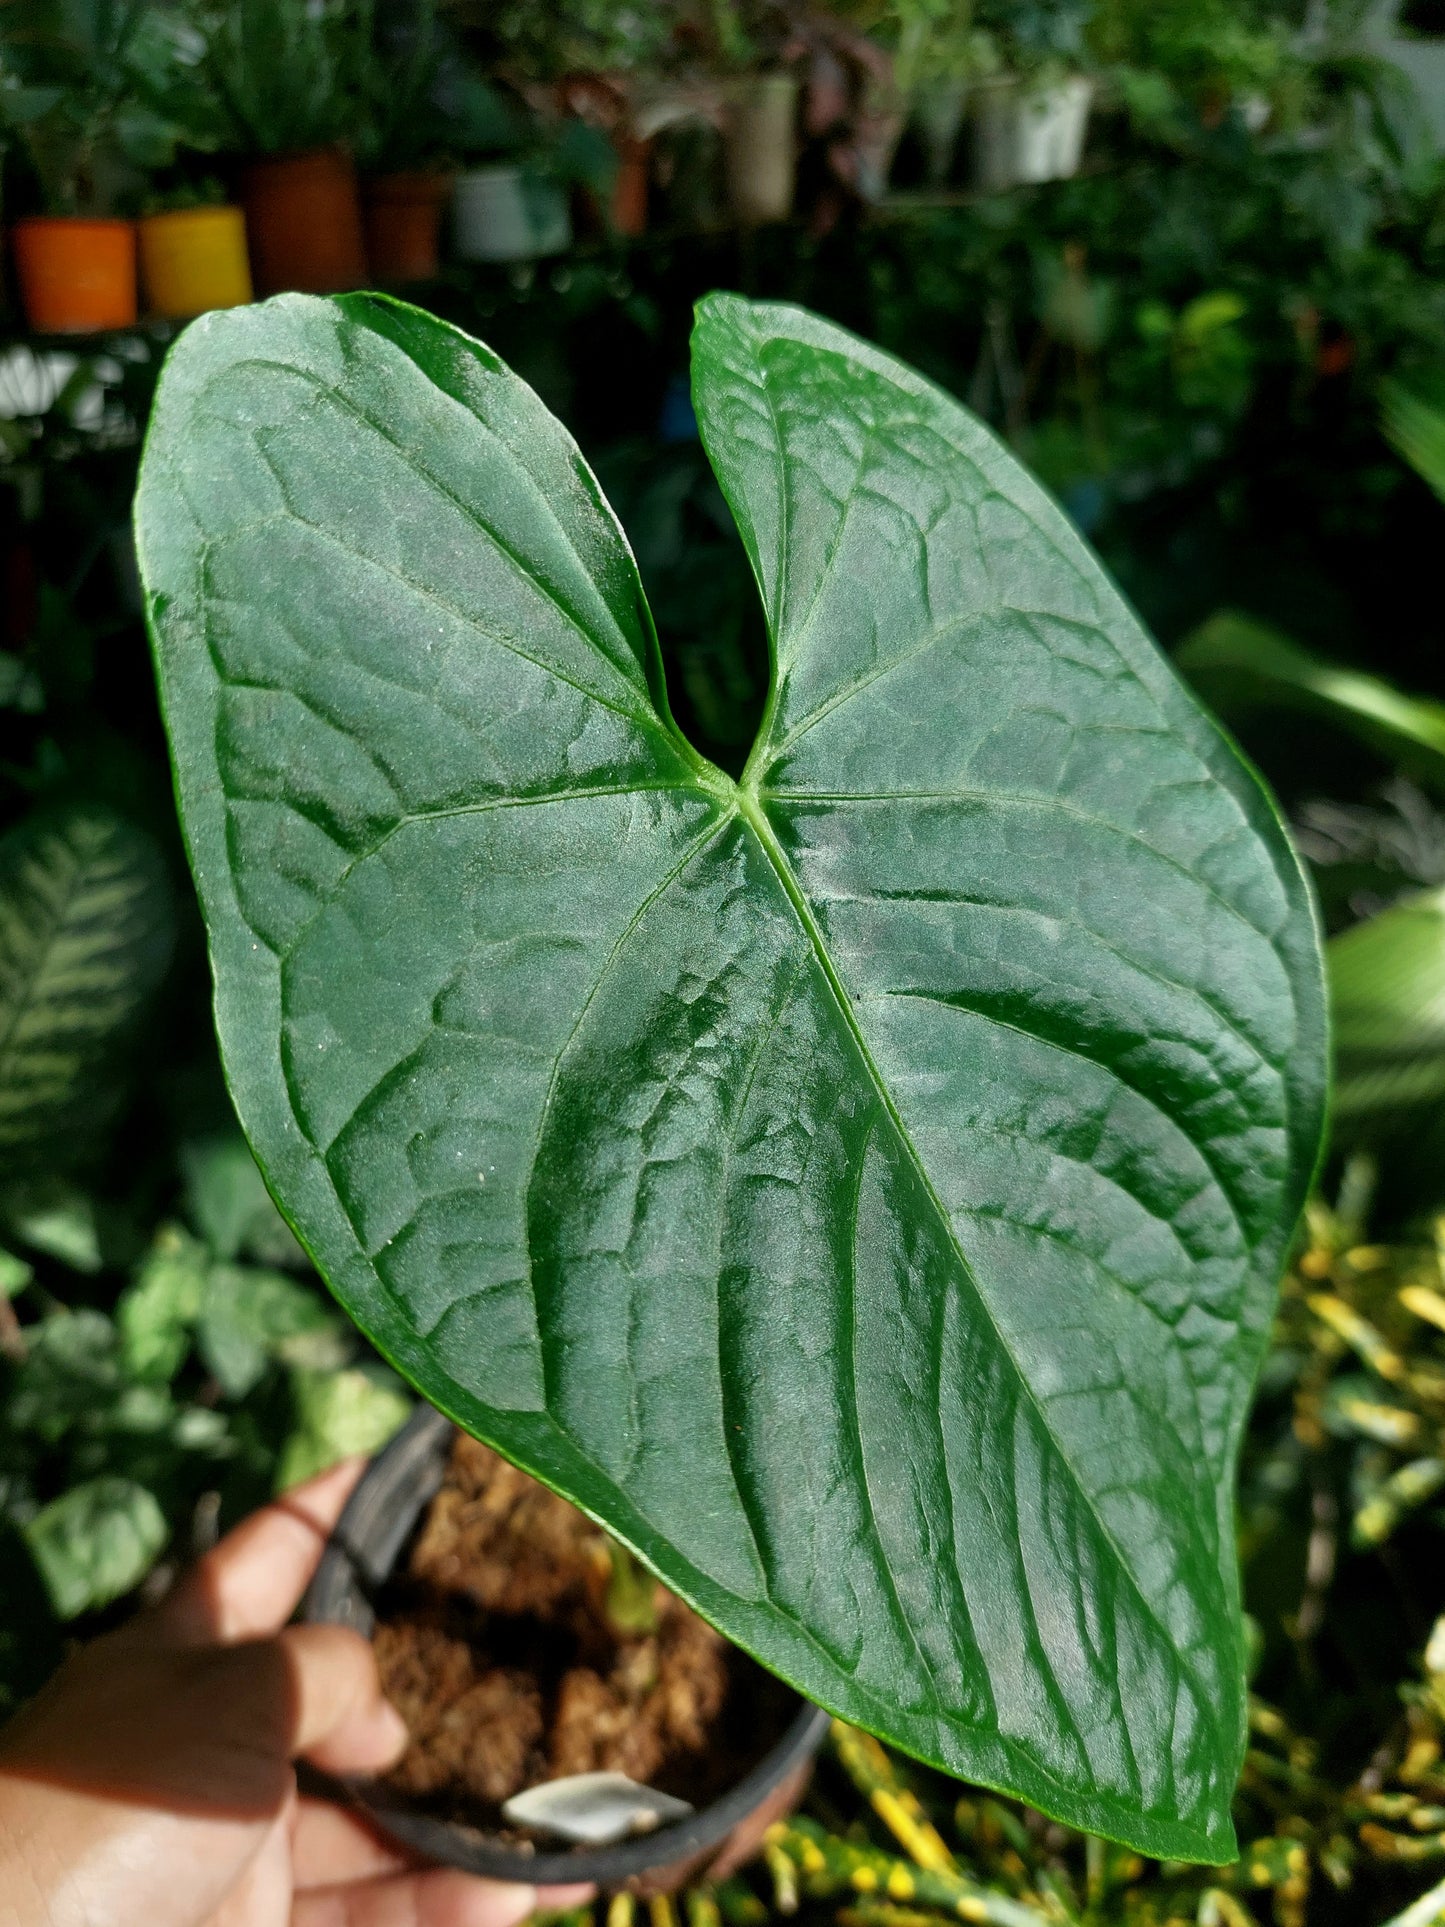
(1220, 341)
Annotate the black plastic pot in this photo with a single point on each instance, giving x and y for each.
(379, 1518)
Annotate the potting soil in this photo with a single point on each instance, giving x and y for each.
(495, 1644)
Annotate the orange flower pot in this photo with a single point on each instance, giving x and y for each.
(76, 276)
(403, 217)
(194, 259)
(303, 216)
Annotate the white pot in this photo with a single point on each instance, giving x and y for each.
(1051, 125)
(501, 214)
(995, 134)
(938, 115)
(1029, 134)
(760, 140)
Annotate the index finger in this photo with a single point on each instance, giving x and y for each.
(249, 1585)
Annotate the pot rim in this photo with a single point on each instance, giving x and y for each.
(300, 158)
(410, 183)
(205, 210)
(408, 1468)
(28, 223)
(490, 171)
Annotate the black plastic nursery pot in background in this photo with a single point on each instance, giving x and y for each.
(363, 1554)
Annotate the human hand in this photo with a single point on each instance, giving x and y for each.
(151, 1783)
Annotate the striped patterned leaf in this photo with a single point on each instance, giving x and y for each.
(85, 933)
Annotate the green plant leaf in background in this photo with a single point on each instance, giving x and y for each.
(1416, 427)
(70, 1375)
(85, 935)
(15, 1274)
(54, 1216)
(1238, 664)
(1387, 990)
(249, 1316)
(95, 1543)
(229, 1204)
(156, 1312)
(338, 1414)
(862, 1186)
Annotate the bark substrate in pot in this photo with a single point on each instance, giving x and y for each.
(484, 1597)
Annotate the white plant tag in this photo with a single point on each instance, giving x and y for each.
(594, 1809)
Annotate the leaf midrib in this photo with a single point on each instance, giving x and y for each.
(749, 807)
(743, 802)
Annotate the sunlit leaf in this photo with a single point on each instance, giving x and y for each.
(861, 1186)
(338, 1414)
(251, 1316)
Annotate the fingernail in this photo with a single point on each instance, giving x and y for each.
(392, 1731)
(559, 1897)
(501, 1903)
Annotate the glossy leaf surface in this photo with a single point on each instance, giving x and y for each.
(861, 1187)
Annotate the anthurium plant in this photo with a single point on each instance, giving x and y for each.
(861, 1186)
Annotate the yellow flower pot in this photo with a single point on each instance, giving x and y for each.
(194, 258)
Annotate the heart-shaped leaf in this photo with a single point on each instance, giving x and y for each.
(861, 1187)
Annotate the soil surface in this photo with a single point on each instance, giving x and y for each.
(498, 1643)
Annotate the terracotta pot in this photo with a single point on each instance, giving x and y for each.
(760, 141)
(629, 191)
(194, 259)
(304, 219)
(76, 276)
(403, 219)
(370, 1534)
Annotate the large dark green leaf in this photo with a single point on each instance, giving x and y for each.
(85, 933)
(862, 1187)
